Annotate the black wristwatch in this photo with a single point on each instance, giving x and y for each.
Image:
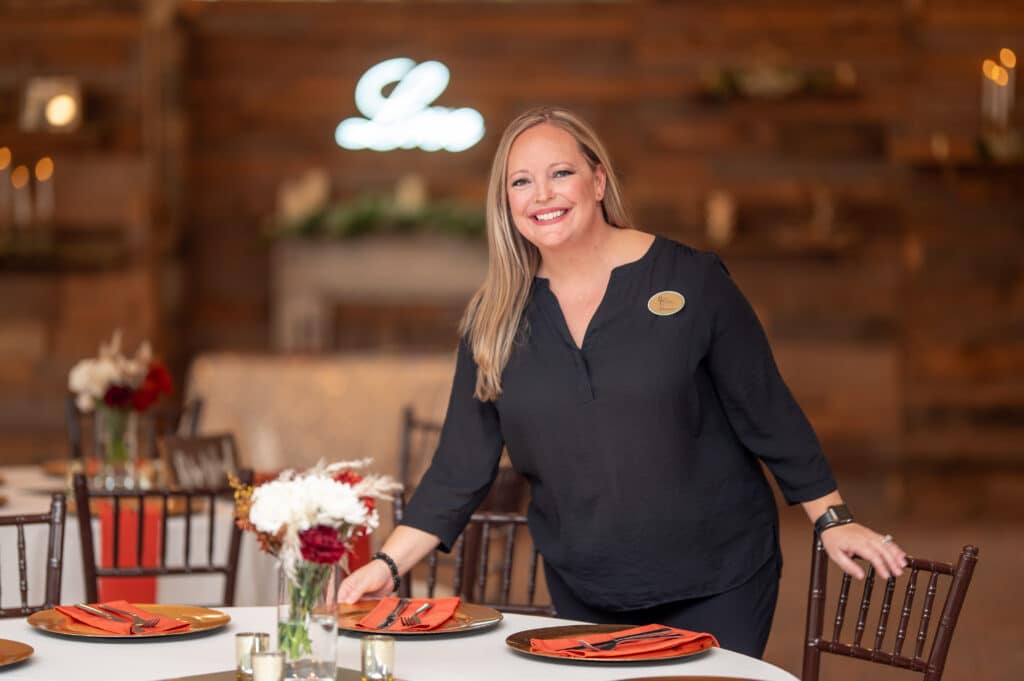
(835, 515)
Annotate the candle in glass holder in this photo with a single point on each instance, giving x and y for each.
(5, 186)
(22, 200)
(1009, 61)
(44, 190)
(246, 644)
(268, 665)
(378, 658)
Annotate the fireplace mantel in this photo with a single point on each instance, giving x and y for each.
(310, 277)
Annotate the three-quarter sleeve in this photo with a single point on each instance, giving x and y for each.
(757, 402)
(465, 463)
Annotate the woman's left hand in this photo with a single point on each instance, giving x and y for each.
(843, 542)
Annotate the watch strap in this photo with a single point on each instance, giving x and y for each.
(832, 517)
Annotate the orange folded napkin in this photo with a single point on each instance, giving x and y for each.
(124, 628)
(660, 644)
(441, 610)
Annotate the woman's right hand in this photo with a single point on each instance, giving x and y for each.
(406, 546)
(373, 580)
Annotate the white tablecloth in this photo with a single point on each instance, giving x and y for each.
(26, 488)
(468, 657)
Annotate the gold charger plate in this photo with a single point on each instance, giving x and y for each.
(467, 617)
(201, 619)
(13, 652)
(56, 468)
(520, 642)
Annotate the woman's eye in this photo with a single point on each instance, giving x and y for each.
(519, 182)
(563, 173)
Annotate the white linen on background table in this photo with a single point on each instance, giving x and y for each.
(256, 583)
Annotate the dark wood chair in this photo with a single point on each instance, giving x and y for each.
(54, 556)
(168, 502)
(504, 531)
(163, 419)
(197, 461)
(501, 510)
(929, 660)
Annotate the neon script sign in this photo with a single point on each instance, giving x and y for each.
(404, 119)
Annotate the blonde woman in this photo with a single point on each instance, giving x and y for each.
(634, 388)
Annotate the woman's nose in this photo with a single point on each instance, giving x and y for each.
(543, 191)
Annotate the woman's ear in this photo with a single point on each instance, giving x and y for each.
(600, 181)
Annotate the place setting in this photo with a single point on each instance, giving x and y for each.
(415, 616)
(611, 643)
(121, 620)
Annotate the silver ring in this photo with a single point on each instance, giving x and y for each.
(886, 539)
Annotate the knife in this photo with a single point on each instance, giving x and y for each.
(393, 615)
(99, 613)
(612, 643)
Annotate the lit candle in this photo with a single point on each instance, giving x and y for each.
(44, 190)
(1009, 61)
(988, 93)
(22, 200)
(246, 644)
(5, 186)
(1001, 80)
(378, 658)
(268, 665)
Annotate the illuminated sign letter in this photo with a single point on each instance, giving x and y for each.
(405, 119)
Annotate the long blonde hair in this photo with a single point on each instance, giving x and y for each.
(493, 317)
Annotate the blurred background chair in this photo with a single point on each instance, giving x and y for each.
(198, 461)
(162, 419)
(921, 608)
(54, 556)
(135, 548)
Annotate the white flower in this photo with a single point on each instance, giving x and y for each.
(90, 378)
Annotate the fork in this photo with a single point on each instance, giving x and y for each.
(137, 622)
(414, 619)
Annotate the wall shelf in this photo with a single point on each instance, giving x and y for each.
(62, 249)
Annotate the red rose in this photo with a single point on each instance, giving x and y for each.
(321, 544)
(157, 382)
(349, 477)
(118, 397)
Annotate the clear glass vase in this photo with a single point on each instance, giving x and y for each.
(116, 447)
(307, 620)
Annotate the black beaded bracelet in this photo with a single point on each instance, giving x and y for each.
(391, 566)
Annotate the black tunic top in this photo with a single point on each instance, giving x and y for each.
(642, 447)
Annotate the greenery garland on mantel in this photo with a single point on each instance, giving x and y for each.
(381, 214)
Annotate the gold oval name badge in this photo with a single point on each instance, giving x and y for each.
(665, 303)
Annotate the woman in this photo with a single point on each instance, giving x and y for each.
(635, 390)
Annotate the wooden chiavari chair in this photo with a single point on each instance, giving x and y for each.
(927, 659)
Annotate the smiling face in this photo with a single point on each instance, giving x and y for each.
(554, 195)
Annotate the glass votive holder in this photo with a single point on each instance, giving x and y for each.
(378, 658)
(247, 643)
(268, 665)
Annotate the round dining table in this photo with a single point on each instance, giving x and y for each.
(469, 656)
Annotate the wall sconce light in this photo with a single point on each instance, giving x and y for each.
(52, 104)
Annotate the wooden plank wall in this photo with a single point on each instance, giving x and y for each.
(901, 330)
(890, 282)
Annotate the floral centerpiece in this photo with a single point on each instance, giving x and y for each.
(308, 520)
(117, 388)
